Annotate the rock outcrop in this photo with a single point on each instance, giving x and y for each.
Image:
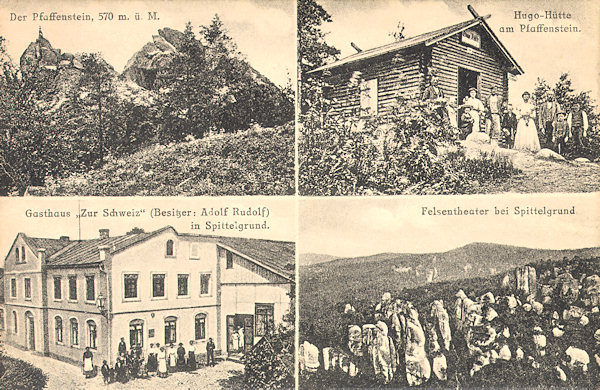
(143, 67)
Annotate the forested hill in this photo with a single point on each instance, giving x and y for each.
(63, 114)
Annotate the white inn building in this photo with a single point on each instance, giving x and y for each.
(164, 287)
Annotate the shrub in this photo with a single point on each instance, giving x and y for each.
(20, 375)
(270, 363)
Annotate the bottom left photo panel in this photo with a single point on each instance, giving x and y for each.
(147, 292)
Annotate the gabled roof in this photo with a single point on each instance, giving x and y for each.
(427, 39)
(275, 256)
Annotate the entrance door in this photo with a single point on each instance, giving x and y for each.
(466, 79)
(136, 334)
(30, 332)
(240, 333)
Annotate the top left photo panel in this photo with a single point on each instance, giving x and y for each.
(147, 98)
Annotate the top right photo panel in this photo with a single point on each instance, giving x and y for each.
(448, 97)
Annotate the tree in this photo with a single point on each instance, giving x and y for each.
(398, 34)
(313, 51)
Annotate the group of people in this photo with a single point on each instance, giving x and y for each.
(535, 322)
(160, 361)
(514, 127)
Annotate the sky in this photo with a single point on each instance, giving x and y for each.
(264, 31)
(350, 227)
(281, 219)
(368, 24)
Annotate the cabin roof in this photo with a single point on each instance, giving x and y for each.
(275, 256)
(427, 39)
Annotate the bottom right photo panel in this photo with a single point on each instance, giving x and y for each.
(469, 292)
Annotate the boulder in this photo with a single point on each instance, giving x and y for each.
(581, 160)
(548, 154)
(478, 138)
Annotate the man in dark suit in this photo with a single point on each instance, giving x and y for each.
(433, 94)
(547, 116)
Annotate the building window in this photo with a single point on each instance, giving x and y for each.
(58, 329)
(22, 254)
(15, 325)
(73, 288)
(13, 288)
(264, 318)
(194, 251)
(57, 288)
(200, 326)
(27, 286)
(136, 333)
(229, 259)
(170, 330)
(204, 284)
(92, 334)
(368, 97)
(169, 248)
(74, 332)
(130, 282)
(158, 285)
(90, 288)
(182, 285)
(1, 319)
(17, 257)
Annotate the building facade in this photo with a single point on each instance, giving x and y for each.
(160, 287)
(462, 56)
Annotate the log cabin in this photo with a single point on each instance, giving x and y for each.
(461, 56)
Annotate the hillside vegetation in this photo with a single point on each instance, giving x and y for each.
(246, 163)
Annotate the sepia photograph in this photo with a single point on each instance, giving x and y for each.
(398, 293)
(98, 293)
(127, 98)
(448, 97)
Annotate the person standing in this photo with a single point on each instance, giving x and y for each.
(122, 347)
(547, 116)
(192, 356)
(508, 121)
(495, 108)
(526, 137)
(172, 353)
(560, 134)
(88, 363)
(105, 370)
(210, 352)
(181, 358)
(477, 109)
(578, 124)
(163, 372)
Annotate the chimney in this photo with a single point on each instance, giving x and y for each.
(104, 233)
(64, 238)
(103, 251)
(42, 255)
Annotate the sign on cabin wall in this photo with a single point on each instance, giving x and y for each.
(472, 38)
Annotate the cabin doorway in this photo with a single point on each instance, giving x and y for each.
(30, 331)
(466, 79)
(240, 333)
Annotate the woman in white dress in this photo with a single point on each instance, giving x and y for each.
(477, 108)
(162, 363)
(526, 137)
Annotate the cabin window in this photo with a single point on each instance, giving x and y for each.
(130, 286)
(368, 97)
(57, 288)
(170, 330)
(92, 334)
(169, 248)
(1, 319)
(229, 257)
(13, 288)
(204, 284)
(15, 325)
(74, 332)
(264, 318)
(90, 288)
(200, 326)
(194, 251)
(73, 288)
(182, 285)
(27, 288)
(158, 285)
(58, 330)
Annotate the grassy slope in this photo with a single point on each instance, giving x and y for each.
(246, 163)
